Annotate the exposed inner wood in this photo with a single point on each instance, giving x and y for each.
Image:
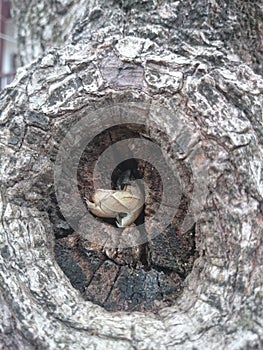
(146, 277)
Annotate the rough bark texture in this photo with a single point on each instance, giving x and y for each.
(199, 59)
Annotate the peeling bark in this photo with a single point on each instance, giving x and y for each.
(197, 60)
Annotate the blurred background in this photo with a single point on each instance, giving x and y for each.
(7, 45)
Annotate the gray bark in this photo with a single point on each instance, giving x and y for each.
(199, 59)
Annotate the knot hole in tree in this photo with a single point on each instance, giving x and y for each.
(147, 276)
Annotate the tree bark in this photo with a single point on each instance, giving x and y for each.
(199, 60)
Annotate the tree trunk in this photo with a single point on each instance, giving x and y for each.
(183, 76)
